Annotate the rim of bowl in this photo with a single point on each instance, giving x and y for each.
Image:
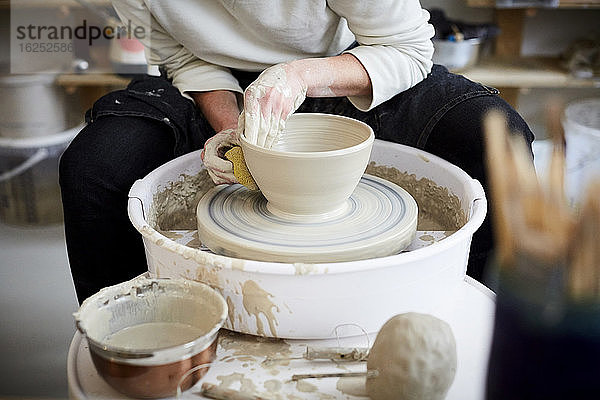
(313, 154)
(124, 354)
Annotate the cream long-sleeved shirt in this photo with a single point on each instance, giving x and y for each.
(199, 41)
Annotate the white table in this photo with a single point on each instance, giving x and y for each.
(239, 360)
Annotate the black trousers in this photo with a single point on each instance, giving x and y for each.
(131, 132)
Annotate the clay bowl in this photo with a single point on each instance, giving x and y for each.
(314, 167)
(144, 365)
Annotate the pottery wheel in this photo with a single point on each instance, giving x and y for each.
(379, 219)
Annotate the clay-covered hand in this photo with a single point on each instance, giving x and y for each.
(219, 169)
(269, 101)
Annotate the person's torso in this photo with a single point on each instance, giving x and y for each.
(252, 34)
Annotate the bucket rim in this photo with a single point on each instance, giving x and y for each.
(41, 141)
(24, 80)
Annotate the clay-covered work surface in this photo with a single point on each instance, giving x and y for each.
(241, 365)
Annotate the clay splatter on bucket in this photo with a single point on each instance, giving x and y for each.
(256, 302)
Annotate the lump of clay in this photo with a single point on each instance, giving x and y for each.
(415, 357)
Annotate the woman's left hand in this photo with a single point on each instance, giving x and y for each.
(269, 101)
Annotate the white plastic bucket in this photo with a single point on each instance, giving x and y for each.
(456, 56)
(29, 190)
(31, 106)
(581, 122)
(308, 301)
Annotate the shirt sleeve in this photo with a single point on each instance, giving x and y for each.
(188, 72)
(395, 46)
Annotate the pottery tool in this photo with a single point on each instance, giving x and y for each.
(336, 354)
(379, 219)
(240, 169)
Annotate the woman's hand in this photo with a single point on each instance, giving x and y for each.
(219, 169)
(269, 101)
(220, 109)
(281, 89)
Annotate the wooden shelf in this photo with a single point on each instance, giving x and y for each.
(526, 72)
(562, 4)
(92, 79)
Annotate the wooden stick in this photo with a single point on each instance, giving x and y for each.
(556, 173)
(584, 273)
(497, 152)
(366, 374)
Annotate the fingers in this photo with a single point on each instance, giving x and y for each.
(276, 125)
(268, 102)
(220, 170)
(220, 179)
(264, 125)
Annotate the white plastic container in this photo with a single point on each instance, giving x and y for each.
(456, 56)
(581, 122)
(29, 190)
(31, 106)
(308, 301)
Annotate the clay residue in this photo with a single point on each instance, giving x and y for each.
(352, 386)
(439, 210)
(305, 387)
(305, 269)
(427, 238)
(256, 302)
(254, 348)
(173, 235)
(195, 242)
(174, 208)
(273, 385)
(210, 275)
(246, 385)
(230, 311)
(257, 347)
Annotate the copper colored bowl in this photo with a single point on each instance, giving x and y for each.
(151, 372)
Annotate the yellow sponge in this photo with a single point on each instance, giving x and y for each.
(240, 169)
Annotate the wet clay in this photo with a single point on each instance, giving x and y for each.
(273, 385)
(439, 210)
(256, 302)
(255, 347)
(174, 208)
(246, 385)
(415, 357)
(353, 386)
(155, 335)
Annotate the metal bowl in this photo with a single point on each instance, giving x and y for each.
(456, 56)
(143, 366)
